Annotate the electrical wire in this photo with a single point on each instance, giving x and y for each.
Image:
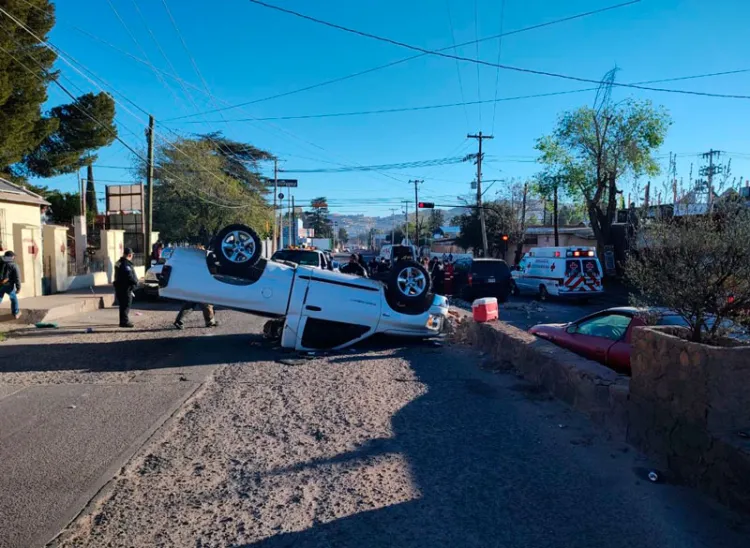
(458, 66)
(486, 63)
(476, 44)
(92, 118)
(280, 129)
(405, 59)
(497, 71)
(467, 103)
(404, 165)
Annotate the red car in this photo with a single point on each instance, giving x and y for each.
(605, 336)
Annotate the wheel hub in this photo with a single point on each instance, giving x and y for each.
(411, 281)
(238, 246)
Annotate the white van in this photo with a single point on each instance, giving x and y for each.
(559, 271)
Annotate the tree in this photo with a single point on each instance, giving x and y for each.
(343, 236)
(199, 188)
(92, 207)
(436, 220)
(33, 143)
(63, 205)
(698, 266)
(500, 219)
(318, 218)
(593, 147)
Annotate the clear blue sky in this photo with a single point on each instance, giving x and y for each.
(247, 52)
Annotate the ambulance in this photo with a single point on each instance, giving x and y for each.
(559, 272)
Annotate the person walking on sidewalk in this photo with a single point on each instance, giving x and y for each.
(208, 314)
(125, 283)
(10, 282)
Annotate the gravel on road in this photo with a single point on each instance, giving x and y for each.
(389, 445)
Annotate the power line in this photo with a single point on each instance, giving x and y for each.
(476, 44)
(404, 165)
(497, 71)
(458, 67)
(405, 59)
(85, 113)
(485, 63)
(185, 83)
(467, 103)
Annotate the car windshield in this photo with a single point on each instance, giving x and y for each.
(298, 256)
(608, 326)
(489, 268)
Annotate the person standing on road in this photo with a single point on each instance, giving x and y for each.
(125, 282)
(10, 282)
(206, 308)
(208, 314)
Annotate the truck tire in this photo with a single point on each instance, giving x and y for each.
(409, 283)
(238, 248)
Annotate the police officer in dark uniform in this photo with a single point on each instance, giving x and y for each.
(125, 283)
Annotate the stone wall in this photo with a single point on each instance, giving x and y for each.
(687, 405)
(588, 386)
(690, 408)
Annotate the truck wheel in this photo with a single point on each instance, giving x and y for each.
(543, 294)
(409, 283)
(238, 248)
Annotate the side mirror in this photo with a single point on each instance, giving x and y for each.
(572, 328)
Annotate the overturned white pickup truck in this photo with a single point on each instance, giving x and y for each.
(318, 309)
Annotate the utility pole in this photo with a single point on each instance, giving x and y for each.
(479, 137)
(416, 183)
(554, 212)
(275, 191)
(294, 223)
(393, 225)
(289, 202)
(709, 173)
(150, 183)
(406, 219)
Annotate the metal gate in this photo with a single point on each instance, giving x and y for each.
(47, 275)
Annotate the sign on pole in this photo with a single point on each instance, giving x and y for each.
(286, 183)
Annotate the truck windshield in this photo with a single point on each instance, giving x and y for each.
(297, 256)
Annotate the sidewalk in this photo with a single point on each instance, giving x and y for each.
(53, 307)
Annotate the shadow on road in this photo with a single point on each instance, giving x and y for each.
(143, 354)
(491, 473)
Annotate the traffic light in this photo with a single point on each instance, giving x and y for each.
(504, 237)
(426, 205)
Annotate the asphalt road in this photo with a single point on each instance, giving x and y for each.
(75, 406)
(391, 444)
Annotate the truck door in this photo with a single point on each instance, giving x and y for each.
(337, 312)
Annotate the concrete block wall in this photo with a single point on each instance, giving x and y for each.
(686, 405)
(690, 408)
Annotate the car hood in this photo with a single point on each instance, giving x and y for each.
(544, 328)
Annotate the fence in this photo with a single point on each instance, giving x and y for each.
(139, 259)
(90, 265)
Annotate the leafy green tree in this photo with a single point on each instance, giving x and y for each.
(64, 205)
(593, 147)
(435, 221)
(500, 218)
(200, 187)
(343, 236)
(696, 265)
(33, 142)
(318, 218)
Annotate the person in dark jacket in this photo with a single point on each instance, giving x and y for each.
(125, 283)
(353, 267)
(10, 282)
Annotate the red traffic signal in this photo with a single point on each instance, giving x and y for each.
(505, 237)
(426, 205)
